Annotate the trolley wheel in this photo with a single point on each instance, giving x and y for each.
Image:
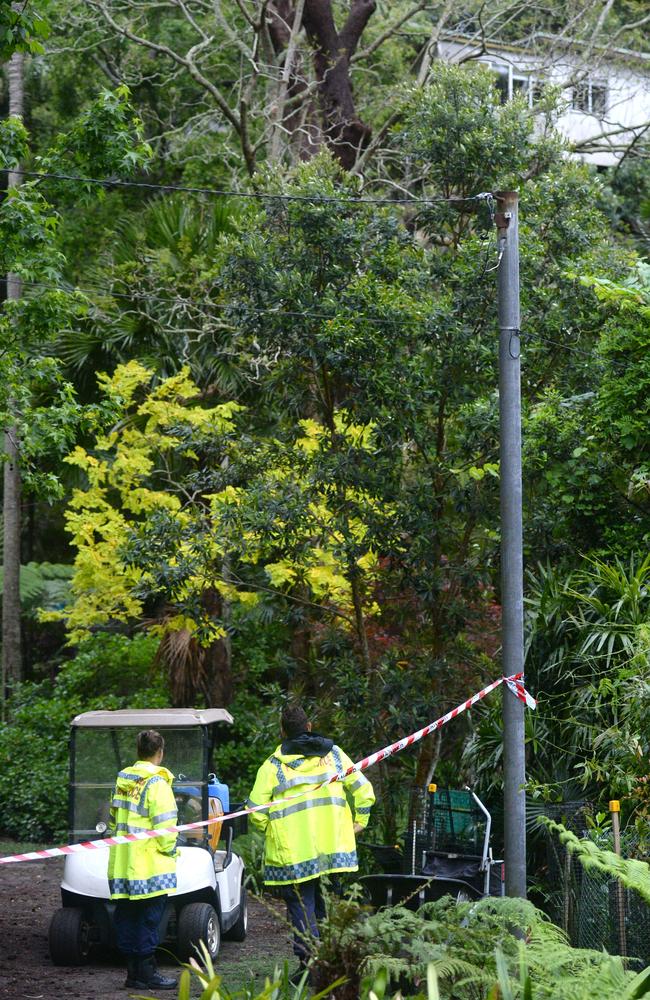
(69, 936)
(198, 922)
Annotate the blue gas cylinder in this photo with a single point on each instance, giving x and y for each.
(217, 790)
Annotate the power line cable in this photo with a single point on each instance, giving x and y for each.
(253, 195)
(213, 307)
(136, 296)
(578, 352)
(484, 196)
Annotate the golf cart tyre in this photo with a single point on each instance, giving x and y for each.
(69, 936)
(238, 930)
(198, 922)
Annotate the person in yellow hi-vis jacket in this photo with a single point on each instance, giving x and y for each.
(313, 835)
(142, 873)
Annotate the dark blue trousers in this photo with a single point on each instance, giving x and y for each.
(137, 923)
(305, 906)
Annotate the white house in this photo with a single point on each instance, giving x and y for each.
(606, 92)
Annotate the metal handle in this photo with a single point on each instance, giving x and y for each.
(488, 829)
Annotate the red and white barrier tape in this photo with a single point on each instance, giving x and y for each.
(514, 683)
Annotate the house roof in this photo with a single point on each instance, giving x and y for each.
(154, 718)
(489, 46)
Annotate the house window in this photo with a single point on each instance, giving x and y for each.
(590, 97)
(510, 83)
(537, 92)
(502, 82)
(520, 85)
(580, 98)
(599, 99)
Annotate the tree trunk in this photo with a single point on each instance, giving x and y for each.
(217, 662)
(11, 637)
(301, 638)
(340, 126)
(198, 673)
(360, 621)
(343, 129)
(12, 663)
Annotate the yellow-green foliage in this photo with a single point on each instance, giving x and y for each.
(330, 521)
(137, 471)
(126, 482)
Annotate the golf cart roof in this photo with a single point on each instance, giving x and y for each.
(152, 718)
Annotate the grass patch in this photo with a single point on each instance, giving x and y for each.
(237, 973)
(20, 847)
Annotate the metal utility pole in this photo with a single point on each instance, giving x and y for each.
(512, 563)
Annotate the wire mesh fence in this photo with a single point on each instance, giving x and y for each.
(595, 910)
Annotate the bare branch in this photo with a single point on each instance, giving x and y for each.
(372, 147)
(595, 142)
(274, 152)
(190, 19)
(631, 148)
(434, 38)
(187, 61)
(106, 69)
(629, 27)
(389, 32)
(232, 35)
(255, 25)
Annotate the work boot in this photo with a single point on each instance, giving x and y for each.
(150, 978)
(131, 971)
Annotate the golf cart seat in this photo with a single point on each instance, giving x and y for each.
(465, 868)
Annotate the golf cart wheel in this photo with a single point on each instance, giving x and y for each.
(198, 922)
(238, 930)
(69, 936)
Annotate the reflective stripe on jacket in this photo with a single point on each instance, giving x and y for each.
(143, 800)
(313, 835)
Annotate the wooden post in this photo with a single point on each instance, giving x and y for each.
(615, 810)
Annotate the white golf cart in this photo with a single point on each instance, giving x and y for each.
(210, 898)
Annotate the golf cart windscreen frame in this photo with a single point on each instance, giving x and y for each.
(98, 753)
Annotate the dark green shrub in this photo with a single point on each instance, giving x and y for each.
(108, 672)
(259, 665)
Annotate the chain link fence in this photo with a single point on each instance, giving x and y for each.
(594, 910)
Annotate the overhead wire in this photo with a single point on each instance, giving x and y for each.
(486, 197)
(568, 348)
(202, 305)
(228, 193)
(136, 296)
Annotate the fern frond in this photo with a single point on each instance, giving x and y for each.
(630, 873)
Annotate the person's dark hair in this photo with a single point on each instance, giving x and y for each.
(149, 743)
(294, 720)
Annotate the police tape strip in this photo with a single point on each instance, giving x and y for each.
(514, 683)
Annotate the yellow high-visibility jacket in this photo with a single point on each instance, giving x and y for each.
(143, 800)
(312, 835)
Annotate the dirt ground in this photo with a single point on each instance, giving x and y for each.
(29, 896)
